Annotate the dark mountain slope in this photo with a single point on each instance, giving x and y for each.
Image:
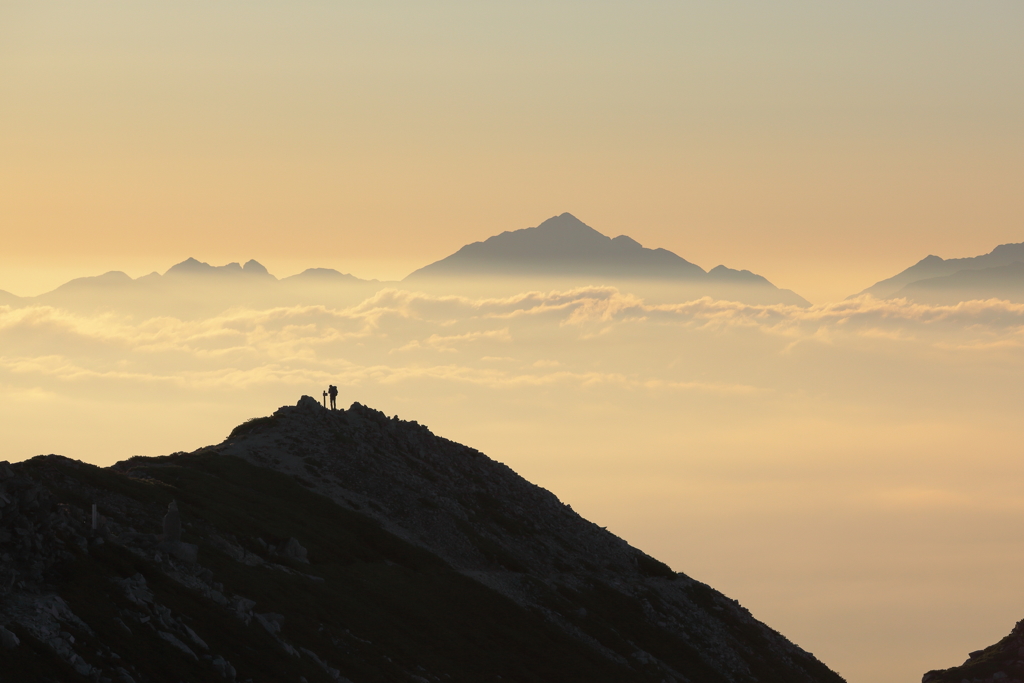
(1003, 661)
(424, 561)
(369, 604)
(489, 523)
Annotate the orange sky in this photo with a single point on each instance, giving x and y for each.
(825, 148)
(850, 473)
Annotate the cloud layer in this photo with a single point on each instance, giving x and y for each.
(584, 336)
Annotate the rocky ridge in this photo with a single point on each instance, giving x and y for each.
(999, 663)
(344, 545)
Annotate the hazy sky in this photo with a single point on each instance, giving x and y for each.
(849, 472)
(825, 146)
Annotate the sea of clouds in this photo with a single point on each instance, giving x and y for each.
(584, 336)
(849, 471)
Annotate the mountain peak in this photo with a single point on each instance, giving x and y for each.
(254, 267)
(566, 223)
(353, 546)
(936, 273)
(194, 267)
(561, 246)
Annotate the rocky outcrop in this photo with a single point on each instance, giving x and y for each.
(999, 663)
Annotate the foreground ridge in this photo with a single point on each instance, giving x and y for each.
(344, 545)
(1003, 661)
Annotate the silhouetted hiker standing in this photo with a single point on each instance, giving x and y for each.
(333, 391)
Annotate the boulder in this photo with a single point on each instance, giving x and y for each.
(173, 640)
(224, 668)
(8, 639)
(172, 523)
(294, 550)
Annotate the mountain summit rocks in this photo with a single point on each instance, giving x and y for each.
(346, 546)
(999, 663)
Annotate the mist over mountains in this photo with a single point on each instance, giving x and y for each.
(786, 454)
(560, 253)
(564, 249)
(998, 274)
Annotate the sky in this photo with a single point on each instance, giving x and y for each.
(846, 471)
(825, 147)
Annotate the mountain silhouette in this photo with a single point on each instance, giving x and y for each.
(346, 546)
(561, 252)
(997, 282)
(192, 267)
(8, 299)
(193, 288)
(323, 276)
(564, 246)
(560, 246)
(931, 278)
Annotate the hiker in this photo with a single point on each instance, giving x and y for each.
(333, 392)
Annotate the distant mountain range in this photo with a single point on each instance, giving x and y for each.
(998, 274)
(560, 252)
(341, 546)
(565, 248)
(193, 288)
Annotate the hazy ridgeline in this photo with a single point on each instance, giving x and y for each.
(847, 471)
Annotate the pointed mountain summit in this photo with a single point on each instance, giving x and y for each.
(344, 545)
(562, 246)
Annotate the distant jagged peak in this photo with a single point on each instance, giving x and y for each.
(933, 266)
(567, 223)
(194, 267)
(322, 276)
(561, 246)
(562, 232)
(254, 267)
(1013, 251)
